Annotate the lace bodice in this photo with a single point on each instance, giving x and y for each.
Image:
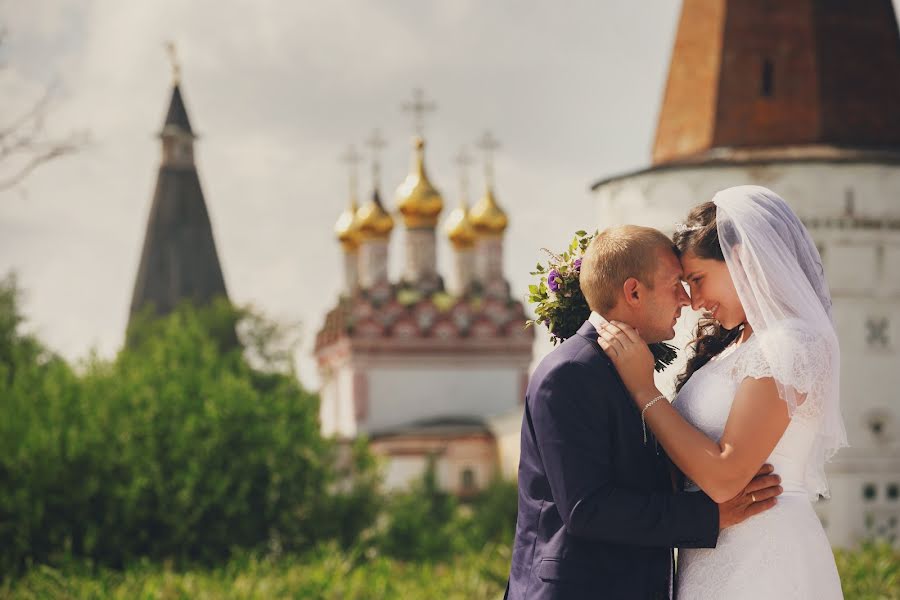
(705, 400)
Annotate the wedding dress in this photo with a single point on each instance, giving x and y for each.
(783, 552)
(778, 275)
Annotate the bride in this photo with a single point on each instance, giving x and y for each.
(762, 386)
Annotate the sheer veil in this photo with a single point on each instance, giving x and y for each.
(780, 280)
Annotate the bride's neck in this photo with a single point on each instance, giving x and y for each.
(746, 332)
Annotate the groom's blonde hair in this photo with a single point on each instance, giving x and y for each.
(614, 255)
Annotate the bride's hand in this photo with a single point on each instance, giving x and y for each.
(631, 356)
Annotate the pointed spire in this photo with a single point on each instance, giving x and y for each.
(177, 115)
(179, 260)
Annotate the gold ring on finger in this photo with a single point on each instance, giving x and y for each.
(752, 497)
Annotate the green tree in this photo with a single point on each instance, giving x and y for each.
(178, 448)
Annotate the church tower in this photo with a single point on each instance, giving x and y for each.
(421, 205)
(179, 259)
(375, 226)
(802, 97)
(776, 73)
(462, 235)
(347, 228)
(426, 373)
(489, 222)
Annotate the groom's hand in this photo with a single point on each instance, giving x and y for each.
(757, 497)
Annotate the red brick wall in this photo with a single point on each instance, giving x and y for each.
(780, 31)
(835, 76)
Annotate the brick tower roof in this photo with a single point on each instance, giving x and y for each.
(769, 74)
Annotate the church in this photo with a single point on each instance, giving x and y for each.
(427, 370)
(803, 98)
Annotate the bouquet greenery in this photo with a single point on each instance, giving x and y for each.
(559, 303)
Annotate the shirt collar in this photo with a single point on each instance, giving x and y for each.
(597, 320)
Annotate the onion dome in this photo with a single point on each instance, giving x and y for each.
(459, 227)
(417, 200)
(374, 221)
(487, 217)
(347, 227)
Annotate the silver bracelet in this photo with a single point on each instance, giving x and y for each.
(643, 410)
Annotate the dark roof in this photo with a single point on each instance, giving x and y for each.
(177, 114)
(179, 259)
(435, 427)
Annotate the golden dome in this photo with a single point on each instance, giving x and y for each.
(347, 227)
(487, 217)
(374, 221)
(417, 200)
(459, 227)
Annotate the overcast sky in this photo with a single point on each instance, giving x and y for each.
(276, 91)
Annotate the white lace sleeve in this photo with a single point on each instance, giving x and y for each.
(798, 359)
(801, 361)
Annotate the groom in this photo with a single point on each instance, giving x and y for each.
(597, 515)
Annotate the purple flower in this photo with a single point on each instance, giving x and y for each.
(577, 265)
(553, 280)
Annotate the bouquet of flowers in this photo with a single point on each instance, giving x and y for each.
(559, 303)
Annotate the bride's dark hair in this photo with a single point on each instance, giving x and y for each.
(700, 236)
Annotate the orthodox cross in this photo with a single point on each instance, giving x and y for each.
(418, 107)
(352, 158)
(376, 143)
(488, 143)
(463, 160)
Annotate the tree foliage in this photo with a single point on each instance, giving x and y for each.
(176, 449)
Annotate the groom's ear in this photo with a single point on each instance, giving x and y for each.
(631, 289)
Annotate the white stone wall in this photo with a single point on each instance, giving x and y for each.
(399, 471)
(336, 402)
(507, 430)
(862, 262)
(402, 394)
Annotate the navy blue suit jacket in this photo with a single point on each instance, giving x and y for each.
(597, 516)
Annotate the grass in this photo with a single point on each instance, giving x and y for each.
(872, 572)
